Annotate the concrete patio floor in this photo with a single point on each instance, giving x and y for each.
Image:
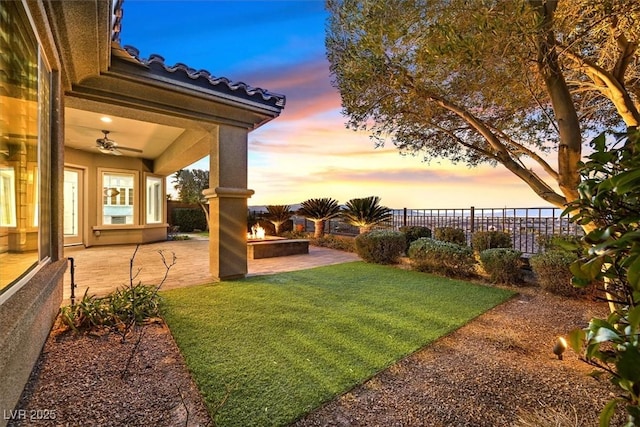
(102, 269)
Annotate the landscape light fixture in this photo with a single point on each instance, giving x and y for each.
(559, 347)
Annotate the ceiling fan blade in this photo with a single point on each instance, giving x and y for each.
(129, 149)
(115, 152)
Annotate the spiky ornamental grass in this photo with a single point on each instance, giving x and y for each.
(268, 349)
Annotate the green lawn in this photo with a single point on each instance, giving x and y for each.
(279, 346)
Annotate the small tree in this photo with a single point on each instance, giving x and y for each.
(278, 215)
(190, 185)
(610, 199)
(365, 213)
(319, 211)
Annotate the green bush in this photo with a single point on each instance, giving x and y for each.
(436, 256)
(561, 242)
(331, 241)
(380, 246)
(451, 235)
(483, 240)
(124, 306)
(552, 271)
(413, 233)
(189, 219)
(503, 265)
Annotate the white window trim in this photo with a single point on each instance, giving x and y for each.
(136, 197)
(161, 201)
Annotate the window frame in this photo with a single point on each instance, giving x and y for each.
(161, 198)
(31, 183)
(135, 198)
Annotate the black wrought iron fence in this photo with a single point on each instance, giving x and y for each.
(525, 225)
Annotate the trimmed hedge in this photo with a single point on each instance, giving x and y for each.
(503, 265)
(436, 256)
(483, 240)
(189, 219)
(451, 235)
(380, 246)
(552, 271)
(413, 233)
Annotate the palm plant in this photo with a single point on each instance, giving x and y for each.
(319, 211)
(365, 213)
(278, 215)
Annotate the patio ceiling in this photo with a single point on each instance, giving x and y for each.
(82, 128)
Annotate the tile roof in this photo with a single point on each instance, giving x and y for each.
(221, 84)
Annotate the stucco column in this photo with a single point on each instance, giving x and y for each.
(227, 195)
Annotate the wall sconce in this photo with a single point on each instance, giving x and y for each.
(111, 192)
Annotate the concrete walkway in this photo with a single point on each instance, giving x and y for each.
(102, 269)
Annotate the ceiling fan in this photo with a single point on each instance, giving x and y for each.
(109, 146)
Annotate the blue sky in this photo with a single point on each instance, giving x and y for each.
(306, 152)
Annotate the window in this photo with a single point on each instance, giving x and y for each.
(118, 198)
(7, 197)
(154, 200)
(25, 140)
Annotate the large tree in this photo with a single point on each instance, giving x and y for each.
(498, 82)
(190, 183)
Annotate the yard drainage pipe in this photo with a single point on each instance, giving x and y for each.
(73, 282)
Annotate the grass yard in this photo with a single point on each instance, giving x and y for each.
(265, 350)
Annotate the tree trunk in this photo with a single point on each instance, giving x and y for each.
(206, 213)
(570, 146)
(319, 228)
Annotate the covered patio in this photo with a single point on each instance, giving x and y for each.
(102, 269)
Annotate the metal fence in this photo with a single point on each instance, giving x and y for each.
(525, 225)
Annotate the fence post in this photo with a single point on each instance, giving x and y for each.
(404, 217)
(473, 218)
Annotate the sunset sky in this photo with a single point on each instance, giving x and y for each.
(306, 152)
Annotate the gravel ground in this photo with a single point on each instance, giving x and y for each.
(498, 370)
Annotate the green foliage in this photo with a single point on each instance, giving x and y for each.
(552, 270)
(561, 242)
(504, 265)
(413, 233)
(451, 235)
(331, 241)
(381, 246)
(430, 77)
(436, 256)
(189, 219)
(278, 215)
(319, 211)
(288, 343)
(190, 183)
(365, 213)
(125, 306)
(610, 203)
(483, 240)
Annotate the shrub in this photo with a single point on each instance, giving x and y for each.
(552, 271)
(413, 233)
(451, 235)
(483, 240)
(189, 219)
(341, 243)
(380, 246)
(561, 242)
(503, 265)
(123, 307)
(435, 256)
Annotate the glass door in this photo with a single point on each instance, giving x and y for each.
(73, 212)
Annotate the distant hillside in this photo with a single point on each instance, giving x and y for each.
(263, 208)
